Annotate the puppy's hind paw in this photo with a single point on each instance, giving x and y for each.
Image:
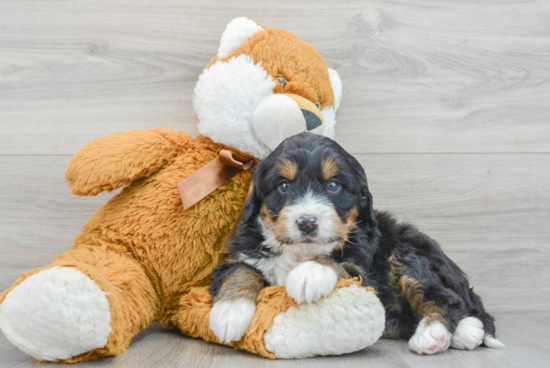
(468, 334)
(229, 320)
(430, 338)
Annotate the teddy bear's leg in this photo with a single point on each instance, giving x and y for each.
(88, 303)
(349, 319)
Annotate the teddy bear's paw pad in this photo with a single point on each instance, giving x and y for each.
(468, 334)
(430, 338)
(348, 320)
(229, 320)
(58, 313)
(310, 281)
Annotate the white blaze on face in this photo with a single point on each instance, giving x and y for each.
(276, 268)
(328, 223)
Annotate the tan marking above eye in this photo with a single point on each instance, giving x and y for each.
(329, 168)
(288, 169)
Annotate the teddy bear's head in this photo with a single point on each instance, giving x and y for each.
(263, 86)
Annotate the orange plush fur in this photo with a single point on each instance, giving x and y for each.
(282, 54)
(141, 247)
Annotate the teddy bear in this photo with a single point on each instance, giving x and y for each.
(144, 256)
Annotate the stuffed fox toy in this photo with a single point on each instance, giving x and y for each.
(143, 257)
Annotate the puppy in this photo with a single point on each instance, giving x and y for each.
(309, 222)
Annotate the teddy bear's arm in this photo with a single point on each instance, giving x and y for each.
(110, 162)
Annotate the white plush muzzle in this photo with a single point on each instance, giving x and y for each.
(278, 117)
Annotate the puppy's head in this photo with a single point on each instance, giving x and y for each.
(309, 195)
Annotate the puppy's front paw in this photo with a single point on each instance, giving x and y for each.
(229, 320)
(430, 338)
(310, 281)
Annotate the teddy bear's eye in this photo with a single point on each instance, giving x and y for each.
(317, 104)
(282, 81)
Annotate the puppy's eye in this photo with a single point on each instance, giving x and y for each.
(282, 81)
(333, 186)
(317, 104)
(284, 187)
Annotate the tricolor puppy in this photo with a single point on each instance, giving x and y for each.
(309, 222)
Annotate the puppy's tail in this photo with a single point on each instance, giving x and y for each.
(491, 342)
(488, 321)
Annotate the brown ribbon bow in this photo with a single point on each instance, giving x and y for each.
(211, 176)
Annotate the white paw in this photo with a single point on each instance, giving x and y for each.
(58, 313)
(430, 339)
(229, 320)
(469, 334)
(310, 281)
(348, 320)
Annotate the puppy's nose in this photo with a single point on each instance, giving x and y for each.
(307, 224)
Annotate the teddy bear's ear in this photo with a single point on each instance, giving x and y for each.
(236, 32)
(329, 112)
(336, 83)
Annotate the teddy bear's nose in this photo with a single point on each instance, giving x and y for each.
(312, 113)
(312, 120)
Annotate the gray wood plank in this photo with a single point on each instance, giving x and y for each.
(488, 211)
(524, 335)
(39, 217)
(419, 76)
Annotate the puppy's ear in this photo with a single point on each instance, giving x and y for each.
(255, 199)
(253, 204)
(366, 213)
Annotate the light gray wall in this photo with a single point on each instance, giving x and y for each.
(446, 104)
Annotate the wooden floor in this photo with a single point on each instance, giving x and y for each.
(526, 338)
(446, 104)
